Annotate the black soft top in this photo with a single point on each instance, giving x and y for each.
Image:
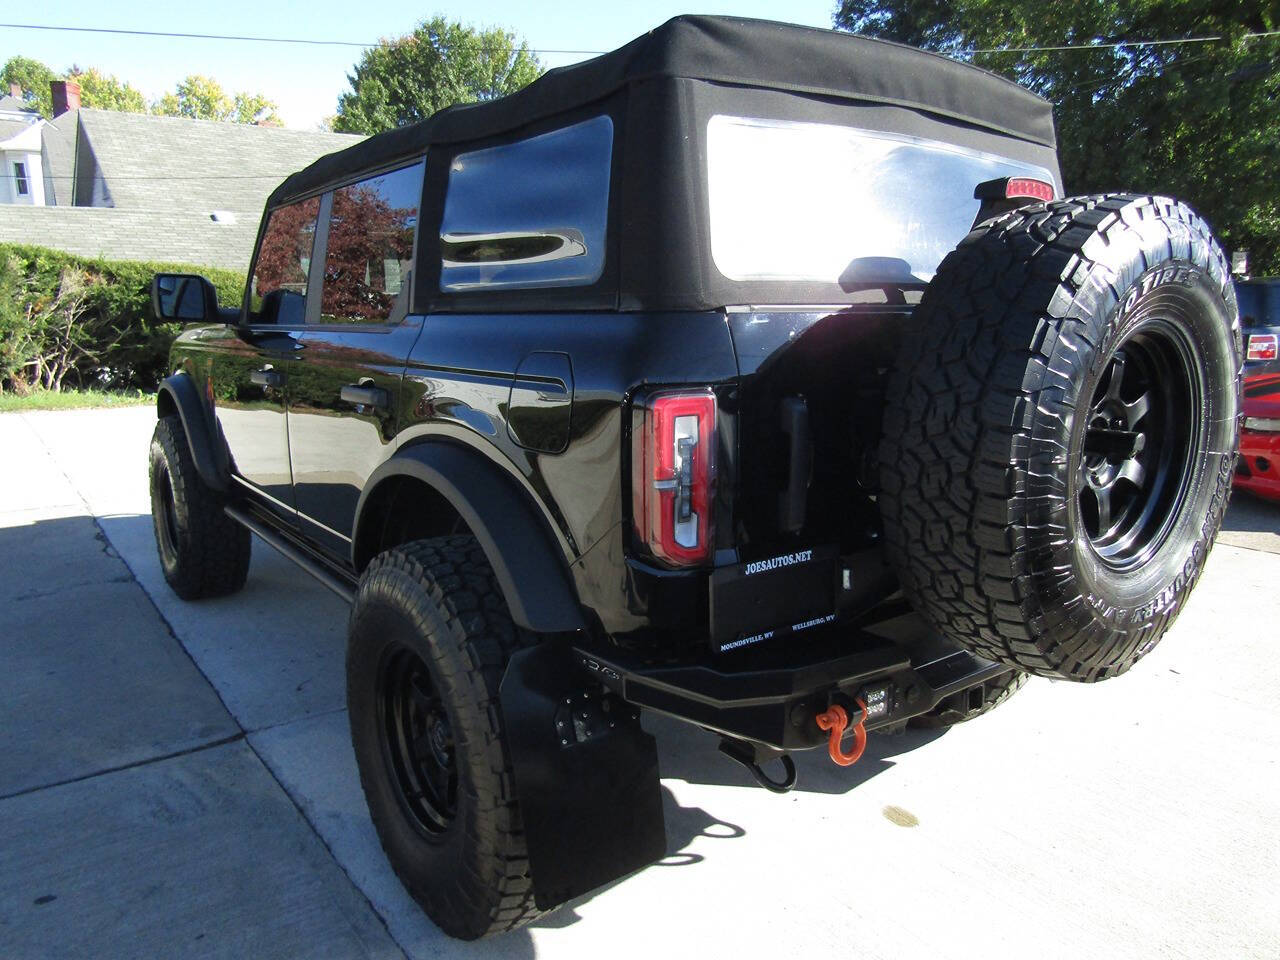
(724, 50)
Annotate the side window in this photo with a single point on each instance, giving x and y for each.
(529, 214)
(278, 289)
(370, 248)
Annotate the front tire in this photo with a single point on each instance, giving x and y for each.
(430, 638)
(203, 552)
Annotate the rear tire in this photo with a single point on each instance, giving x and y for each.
(430, 638)
(203, 552)
(1056, 464)
(971, 703)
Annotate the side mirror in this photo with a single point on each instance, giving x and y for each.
(184, 297)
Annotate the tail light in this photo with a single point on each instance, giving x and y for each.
(1014, 188)
(1262, 346)
(673, 475)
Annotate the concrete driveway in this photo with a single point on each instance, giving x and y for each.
(176, 779)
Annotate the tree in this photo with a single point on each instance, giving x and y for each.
(202, 98)
(1200, 121)
(104, 92)
(439, 64)
(34, 79)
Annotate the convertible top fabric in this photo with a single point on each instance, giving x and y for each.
(724, 50)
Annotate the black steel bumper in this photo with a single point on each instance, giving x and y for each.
(770, 697)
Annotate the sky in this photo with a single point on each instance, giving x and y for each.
(306, 80)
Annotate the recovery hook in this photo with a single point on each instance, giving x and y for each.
(835, 720)
(744, 755)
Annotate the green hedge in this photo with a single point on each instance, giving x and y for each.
(131, 346)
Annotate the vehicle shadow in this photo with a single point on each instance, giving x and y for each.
(1251, 522)
(688, 753)
(684, 826)
(297, 659)
(1252, 514)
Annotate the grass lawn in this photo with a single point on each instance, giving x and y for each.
(71, 400)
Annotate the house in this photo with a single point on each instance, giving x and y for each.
(22, 179)
(131, 186)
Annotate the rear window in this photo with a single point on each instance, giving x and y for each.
(529, 214)
(1259, 304)
(824, 203)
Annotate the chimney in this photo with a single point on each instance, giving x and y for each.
(15, 90)
(66, 96)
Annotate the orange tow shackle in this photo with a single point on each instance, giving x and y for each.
(836, 721)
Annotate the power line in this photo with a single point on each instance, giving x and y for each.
(1064, 48)
(1117, 44)
(227, 36)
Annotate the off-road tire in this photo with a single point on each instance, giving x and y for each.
(203, 552)
(990, 456)
(438, 599)
(971, 703)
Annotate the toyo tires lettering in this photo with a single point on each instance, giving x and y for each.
(1184, 276)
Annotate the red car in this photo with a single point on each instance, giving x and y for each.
(1258, 469)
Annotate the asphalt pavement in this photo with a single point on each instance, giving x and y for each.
(176, 778)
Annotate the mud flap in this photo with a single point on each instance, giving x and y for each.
(586, 776)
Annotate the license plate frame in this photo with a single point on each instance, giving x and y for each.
(775, 596)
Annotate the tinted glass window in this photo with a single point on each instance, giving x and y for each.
(820, 202)
(278, 289)
(529, 214)
(370, 248)
(1259, 304)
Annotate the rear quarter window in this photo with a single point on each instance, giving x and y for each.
(529, 214)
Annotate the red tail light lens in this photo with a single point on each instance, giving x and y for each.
(673, 476)
(1025, 187)
(1262, 346)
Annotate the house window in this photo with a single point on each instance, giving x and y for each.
(370, 248)
(20, 178)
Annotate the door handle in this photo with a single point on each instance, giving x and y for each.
(364, 396)
(266, 377)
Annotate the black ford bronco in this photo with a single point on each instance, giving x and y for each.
(755, 375)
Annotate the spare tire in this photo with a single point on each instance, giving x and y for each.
(1060, 432)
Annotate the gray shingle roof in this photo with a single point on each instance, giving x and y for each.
(12, 126)
(58, 148)
(172, 237)
(173, 163)
(145, 187)
(12, 104)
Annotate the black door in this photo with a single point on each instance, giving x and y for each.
(251, 368)
(344, 388)
(249, 374)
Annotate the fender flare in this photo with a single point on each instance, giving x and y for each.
(526, 560)
(181, 394)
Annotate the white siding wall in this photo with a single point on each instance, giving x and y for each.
(34, 175)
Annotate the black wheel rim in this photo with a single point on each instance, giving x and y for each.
(417, 741)
(166, 511)
(1140, 443)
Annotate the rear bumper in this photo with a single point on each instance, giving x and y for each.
(1258, 469)
(769, 697)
